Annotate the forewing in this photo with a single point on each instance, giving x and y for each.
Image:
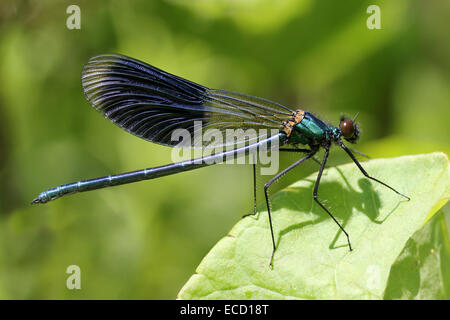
(151, 104)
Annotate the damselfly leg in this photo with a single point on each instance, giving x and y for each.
(352, 156)
(315, 195)
(297, 150)
(266, 193)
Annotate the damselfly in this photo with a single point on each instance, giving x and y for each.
(152, 104)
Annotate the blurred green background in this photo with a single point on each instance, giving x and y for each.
(144, 240)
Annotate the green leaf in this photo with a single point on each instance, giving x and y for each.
(422, 269)
(312, 260)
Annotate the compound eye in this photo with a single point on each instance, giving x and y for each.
(347, 128)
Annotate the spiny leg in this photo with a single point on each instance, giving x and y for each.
(316, 188)
(360, 153)
(266, 189)
(299, 150)
(294, 150)
(343, 146)
(254, 175)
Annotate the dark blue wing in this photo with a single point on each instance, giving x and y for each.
(152, 104)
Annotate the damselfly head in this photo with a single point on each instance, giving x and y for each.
(349, 129)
